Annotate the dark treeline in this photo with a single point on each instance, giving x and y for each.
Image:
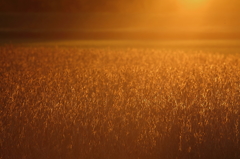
(68, 5)
(156, 6)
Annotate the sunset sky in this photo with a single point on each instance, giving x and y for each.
(142, 18)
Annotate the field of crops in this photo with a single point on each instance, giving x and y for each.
(103, 103)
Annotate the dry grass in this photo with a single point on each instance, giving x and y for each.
(127, 104)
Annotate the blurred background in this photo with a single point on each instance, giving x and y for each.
(99, 20)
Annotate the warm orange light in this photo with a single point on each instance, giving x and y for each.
(192, 1)
(192, 4)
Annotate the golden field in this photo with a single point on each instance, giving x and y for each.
(103, 103)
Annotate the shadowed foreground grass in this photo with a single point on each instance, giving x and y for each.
(74, 103)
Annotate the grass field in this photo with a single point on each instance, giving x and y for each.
(103, 103)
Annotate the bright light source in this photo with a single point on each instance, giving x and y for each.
(192, 4)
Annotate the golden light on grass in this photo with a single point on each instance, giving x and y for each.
(148, 102)
(75, 103)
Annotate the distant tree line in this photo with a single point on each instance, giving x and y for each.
(160, 6)
(68, 5)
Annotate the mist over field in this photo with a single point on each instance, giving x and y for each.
(116, 26)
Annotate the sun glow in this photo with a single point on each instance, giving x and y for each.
(193, 5)
(192, 1)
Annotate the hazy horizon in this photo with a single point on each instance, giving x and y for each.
(121, 20)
